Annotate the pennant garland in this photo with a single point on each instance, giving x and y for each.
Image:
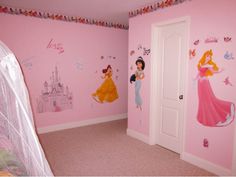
(154, 7)
(32, 13)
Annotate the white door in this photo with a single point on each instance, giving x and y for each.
(171, 59)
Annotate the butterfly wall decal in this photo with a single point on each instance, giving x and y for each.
(28, 62)
(196, 42)
(28, 65)
(227, 82)
(117, 77)
(227, 39)
(228, 56)
(131, 67)
(79, 65)
(132, 52)
(108, 57)
(192, 53)
(140, 47)
(146, 51)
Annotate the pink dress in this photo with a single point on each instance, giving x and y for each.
(212, 111)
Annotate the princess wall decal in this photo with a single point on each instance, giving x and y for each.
(137, 78)
(212, 111)
(107, 92)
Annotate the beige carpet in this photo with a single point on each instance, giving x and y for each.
(106, 150)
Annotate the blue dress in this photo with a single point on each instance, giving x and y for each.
(138, 84)
(138, 99)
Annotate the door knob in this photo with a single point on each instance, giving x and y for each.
(181, 97)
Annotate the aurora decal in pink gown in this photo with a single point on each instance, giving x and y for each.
(212, 111)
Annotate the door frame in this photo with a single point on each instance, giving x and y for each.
(155, 79)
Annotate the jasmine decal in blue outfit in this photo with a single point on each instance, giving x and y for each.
(137, 78)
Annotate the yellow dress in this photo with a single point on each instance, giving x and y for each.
(107, 91)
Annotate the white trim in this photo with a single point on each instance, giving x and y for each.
(188, 21)
(175, 20)
(234, 152)
(137, 135)
(155, 78)
(81, 123)
(204, 164)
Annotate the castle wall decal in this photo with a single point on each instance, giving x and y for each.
(55, 97)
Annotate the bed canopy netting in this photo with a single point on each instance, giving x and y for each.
(20, 151)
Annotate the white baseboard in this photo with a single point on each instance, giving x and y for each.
(206, 165)
(137, 135)
(81, 123)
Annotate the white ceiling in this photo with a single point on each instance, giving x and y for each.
(106, 10)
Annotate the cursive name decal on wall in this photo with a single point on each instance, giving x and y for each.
(55, 46)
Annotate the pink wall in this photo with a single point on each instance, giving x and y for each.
(208, 18)
(79, 66)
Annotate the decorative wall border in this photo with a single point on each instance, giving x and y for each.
(33, 13)
(77, 19)
(154, 7)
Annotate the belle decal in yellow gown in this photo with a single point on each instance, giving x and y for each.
(107, 92)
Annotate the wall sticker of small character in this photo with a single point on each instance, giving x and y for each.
(137, 77)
